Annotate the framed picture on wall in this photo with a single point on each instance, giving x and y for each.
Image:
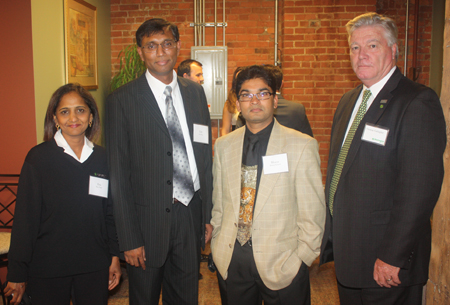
(80, 39)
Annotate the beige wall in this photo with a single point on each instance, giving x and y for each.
(48, 53)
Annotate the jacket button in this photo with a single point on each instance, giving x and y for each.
(169, 182)
(169, 153)
(235, 224)
(229, 245)
(168, 210)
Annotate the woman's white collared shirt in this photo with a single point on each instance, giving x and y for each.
(88, 147)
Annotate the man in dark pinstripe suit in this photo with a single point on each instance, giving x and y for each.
(159, 234)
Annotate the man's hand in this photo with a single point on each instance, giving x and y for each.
(114, 273)
(16, 290)
(385, 275)
(208, 232)
(136, 257)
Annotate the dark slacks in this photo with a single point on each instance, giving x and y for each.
(409, 295)
(179, 274)
(244, 286)
(86, 289)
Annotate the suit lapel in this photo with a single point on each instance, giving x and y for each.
(376, 110)
(268, 182)
(148, 101)
(189, 108)
(233, 162)
(338, 131)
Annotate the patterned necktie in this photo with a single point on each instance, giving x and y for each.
(183, 186)
(344, 150)
(249, 173)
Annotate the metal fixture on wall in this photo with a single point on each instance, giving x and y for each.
(277, 62)
(406, 38)
(200, 23)
(413, 73)
(213, 58)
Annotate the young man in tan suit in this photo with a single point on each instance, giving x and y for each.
(268, 202)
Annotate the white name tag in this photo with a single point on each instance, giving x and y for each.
(375, 134)
(98, 186)
(275, 164)
(201, 134)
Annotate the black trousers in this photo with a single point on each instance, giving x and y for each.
(243, 285)
(179, 274)
(86, 289)
(409, 295)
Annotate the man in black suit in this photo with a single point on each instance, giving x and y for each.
(158, 136)
(384, 175)
(289, 114)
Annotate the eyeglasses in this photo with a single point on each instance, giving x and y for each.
(247, 97)
(153, 47)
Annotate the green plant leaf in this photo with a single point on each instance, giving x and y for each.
(130, 67)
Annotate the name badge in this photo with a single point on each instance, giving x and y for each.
(275, 164)
(375, 134)
(98, 186)
(201, 134)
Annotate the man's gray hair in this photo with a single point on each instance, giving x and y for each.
(374, 19)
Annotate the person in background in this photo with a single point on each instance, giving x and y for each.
(384, 174)
(289, 114)
(158, 136)
(230, 114)
(191, 69)
(64, 239)
(268, 202)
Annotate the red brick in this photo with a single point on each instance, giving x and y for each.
(314, 55)
(128, 7)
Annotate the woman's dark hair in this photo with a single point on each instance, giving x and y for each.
(49, 123)
(231, 98)
(252, 72)
(155, 26)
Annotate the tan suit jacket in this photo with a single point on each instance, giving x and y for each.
(289, 212)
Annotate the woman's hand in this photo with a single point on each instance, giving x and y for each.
(16, 290)
(114, 273)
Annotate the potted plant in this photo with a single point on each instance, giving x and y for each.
(131, 67)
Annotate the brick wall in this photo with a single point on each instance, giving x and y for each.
(313, 47)
(315, 59)
(397, 11)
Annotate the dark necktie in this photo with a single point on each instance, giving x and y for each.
(344, 149)
(251, 157)
(183, 186)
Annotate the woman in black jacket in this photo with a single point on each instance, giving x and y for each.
(64, 239)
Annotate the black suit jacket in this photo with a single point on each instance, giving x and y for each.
(139, 151)
(386, 194)
(292, 115)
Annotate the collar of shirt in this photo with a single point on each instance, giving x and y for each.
(262, 135)
(263, 139)
(88, 147)
(158, 88)
(375, 89)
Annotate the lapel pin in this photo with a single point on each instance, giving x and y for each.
(382, 102)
